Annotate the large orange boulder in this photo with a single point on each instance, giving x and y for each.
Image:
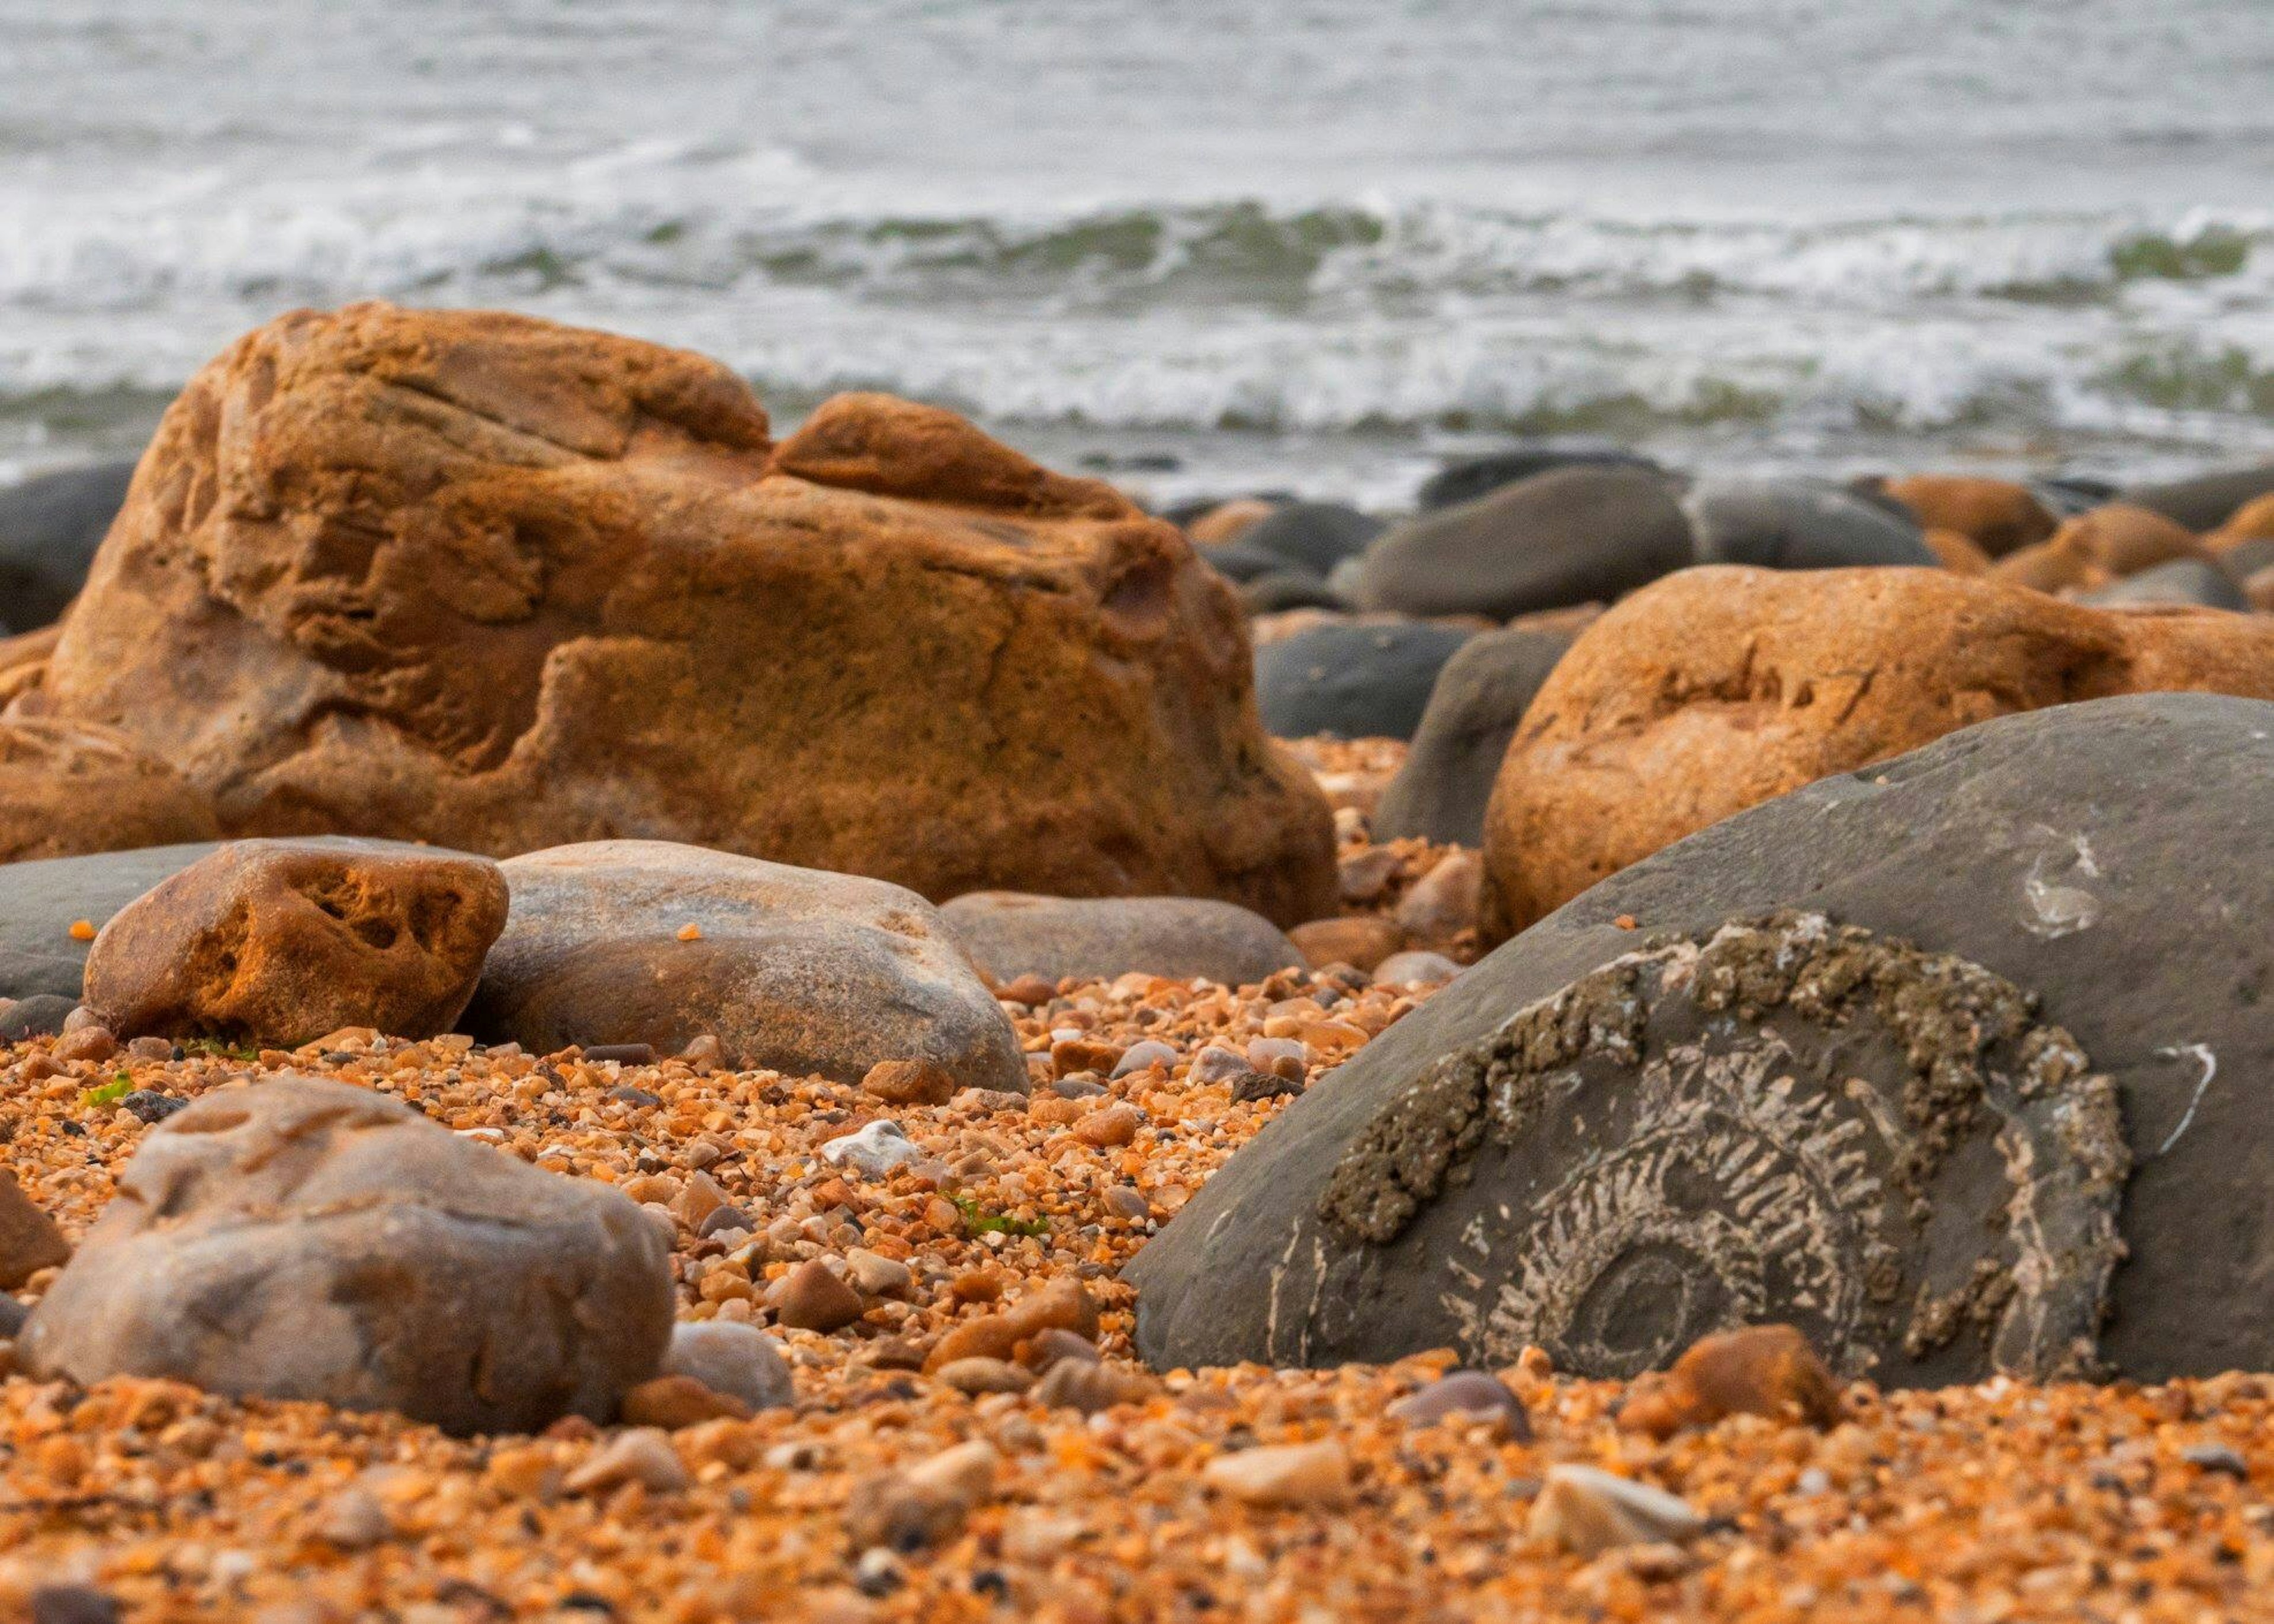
(71, 788)
(481, 580)
(1718, 689)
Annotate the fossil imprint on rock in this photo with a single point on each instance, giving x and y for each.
(1787, 1120)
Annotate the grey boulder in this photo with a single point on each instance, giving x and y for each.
(1469, 477)
(2182, 581)
(1951, 1062)
(1441, 791)
(1800, 524)
(1353, 679)
(1011, 934)
(49, 528)
(795, 970)
(1312, 537)
(1570, 535)
(2204, 502)
(307, 1239)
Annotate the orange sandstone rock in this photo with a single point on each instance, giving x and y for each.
(2124, 539)
(70, 788)
(481, 580)
(1996, 515)
(1062, 1305)
(1719, 687)
(1763, 1369)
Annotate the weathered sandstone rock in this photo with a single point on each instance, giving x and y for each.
(68, 787)
(276, 943)
(1008, 934)
(481, 580)
(1720, 688)
(307, 1239)
(2125, 541)
(1947, 1065)
(645, 941)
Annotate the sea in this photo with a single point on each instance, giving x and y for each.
(1202, 246)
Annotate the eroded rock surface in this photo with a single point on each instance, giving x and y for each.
(480, 580)
(307, 1239)
(1909, 1059)
(69, 788)
(276, 943)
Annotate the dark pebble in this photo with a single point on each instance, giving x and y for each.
(72, 1603)
(630, 1096)
(727, 1217)
(152, 1106)
(1473, 1394)
(13, 1312)
(624, 1054)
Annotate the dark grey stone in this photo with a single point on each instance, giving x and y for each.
(2246, 559)
(1239, 563)
(49, 528)
(41, 1015)
(1799, 525)
(1571, 536)
(1469, 477)
(1684, 1136)
(2181, 581)
(1441, 791)
(1288, 589)
(41, 902)
(1355, 681)
(2204, 502)
(1313, 536)
(2067, 495)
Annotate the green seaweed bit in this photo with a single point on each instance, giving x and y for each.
(110, 1093)
(978, 1221)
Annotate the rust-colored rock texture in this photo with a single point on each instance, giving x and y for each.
(485, 580)
(1718, 689)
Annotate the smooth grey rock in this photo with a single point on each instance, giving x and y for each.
(1571, 535)
(2067, 495)
(739, 1360)
(303, 1238)
(1288, 589)
(2207, 501)
(1313, 536)
(791, 969)
(2246, 559)
(1442, 790)
(1799, 525)
(1239, 563)
(1352, 680)
(1010, 934)
(1471, 478)
(1703, 1155)
(39, 901)
(49, 528)
(1415, 967)
(2181, 581)
(41, 1015)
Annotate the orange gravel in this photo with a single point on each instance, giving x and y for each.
(1990, 1503)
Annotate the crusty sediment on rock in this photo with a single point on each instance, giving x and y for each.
(481, 580)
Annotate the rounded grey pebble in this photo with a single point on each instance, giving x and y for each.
(738, 1360)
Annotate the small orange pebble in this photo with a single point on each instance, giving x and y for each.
(82, 931)
(1625, 922)
(691, 933)
(1763, 1369)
